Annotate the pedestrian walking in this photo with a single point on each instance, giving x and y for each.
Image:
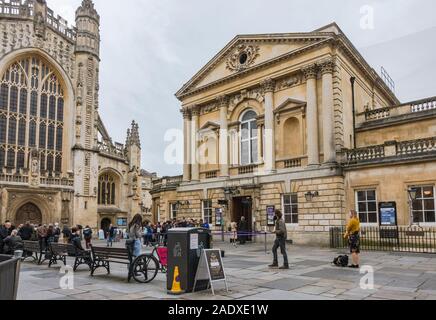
(110, 235)
(352, 234)
(242, 230)
(87, 234)
(234, 233)
(280, 242)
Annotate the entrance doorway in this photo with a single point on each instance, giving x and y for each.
(242, 207)
(105, 224)
(28, 213)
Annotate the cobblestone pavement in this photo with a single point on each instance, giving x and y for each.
(311, 277)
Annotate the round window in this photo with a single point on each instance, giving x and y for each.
(243, 58)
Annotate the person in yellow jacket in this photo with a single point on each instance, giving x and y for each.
(353, 235)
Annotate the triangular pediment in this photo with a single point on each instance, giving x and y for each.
(247, 52)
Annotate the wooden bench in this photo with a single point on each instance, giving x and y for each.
(82, 257)
(143, 268)
(58, 252)
(35, 250)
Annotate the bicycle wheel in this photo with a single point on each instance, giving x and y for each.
(145, 268)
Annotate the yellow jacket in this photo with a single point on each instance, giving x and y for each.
(353, 226)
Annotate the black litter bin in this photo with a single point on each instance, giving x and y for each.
(184, 251)
(9, 277)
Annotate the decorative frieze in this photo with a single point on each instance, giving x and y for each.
(289, 82)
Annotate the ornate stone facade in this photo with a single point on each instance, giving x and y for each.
(290, 139)
(57, 160)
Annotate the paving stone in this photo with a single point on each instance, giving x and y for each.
(88, 296)
(287, 284)
(312, 290)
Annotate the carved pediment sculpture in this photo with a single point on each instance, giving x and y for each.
(243, 57)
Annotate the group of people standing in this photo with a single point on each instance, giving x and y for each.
(11, 237)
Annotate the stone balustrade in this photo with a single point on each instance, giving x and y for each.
(365, 154)
(410, 108)
(416, 147)
(211, 174)
(22, 9)
(45, 178)
(247, 169)
(166, 183)
(116, 150)
(391, 150)
(293, 163)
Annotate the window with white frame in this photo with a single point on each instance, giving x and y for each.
(207, 211)
(174, 207)
(249, 138)
(366, 206)
(290, 208)
(424, 205)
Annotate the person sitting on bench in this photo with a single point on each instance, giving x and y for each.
(75, 239)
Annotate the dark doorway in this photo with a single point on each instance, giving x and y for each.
(105, 224)
(242, 207)
(28, 212)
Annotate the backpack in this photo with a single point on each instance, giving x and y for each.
(341, 261)
(87, 233)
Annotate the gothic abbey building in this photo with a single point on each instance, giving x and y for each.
(302, 123)
(57, 160)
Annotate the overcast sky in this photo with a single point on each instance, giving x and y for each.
(150, 48)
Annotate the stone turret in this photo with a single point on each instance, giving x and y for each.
(133, 146)
(88, 29)
(87, 52)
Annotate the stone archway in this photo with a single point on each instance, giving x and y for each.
(105, 224)
(28, 212)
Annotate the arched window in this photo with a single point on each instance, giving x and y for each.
(106, 189)
(249, 138)
(31, 96)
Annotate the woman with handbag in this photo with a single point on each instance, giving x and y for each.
(353, 236)
(135, 235)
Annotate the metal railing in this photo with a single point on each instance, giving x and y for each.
(412, 239)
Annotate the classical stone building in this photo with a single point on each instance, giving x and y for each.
(301, 122)
(57, 160)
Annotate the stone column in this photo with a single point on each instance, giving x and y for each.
(195, 166)
(269, 156)
(186, 145)
(310, 74)
(223, 103)
(327, 110)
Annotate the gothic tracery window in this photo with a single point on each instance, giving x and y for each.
(106, 189)
(31, 114)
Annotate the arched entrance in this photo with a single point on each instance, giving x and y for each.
(28, 212)
(104, 225)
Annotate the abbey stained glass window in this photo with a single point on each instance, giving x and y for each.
(106, 190)
(31, 114)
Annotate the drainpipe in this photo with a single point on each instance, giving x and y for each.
(353, 80)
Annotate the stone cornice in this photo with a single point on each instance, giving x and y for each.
(183, 93)
(325, 38)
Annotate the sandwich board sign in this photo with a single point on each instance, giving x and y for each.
(211, 268)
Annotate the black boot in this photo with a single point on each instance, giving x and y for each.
(273, 265)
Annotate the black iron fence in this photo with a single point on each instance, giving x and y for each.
(413, 239)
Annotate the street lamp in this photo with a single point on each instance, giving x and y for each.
(413, 192)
